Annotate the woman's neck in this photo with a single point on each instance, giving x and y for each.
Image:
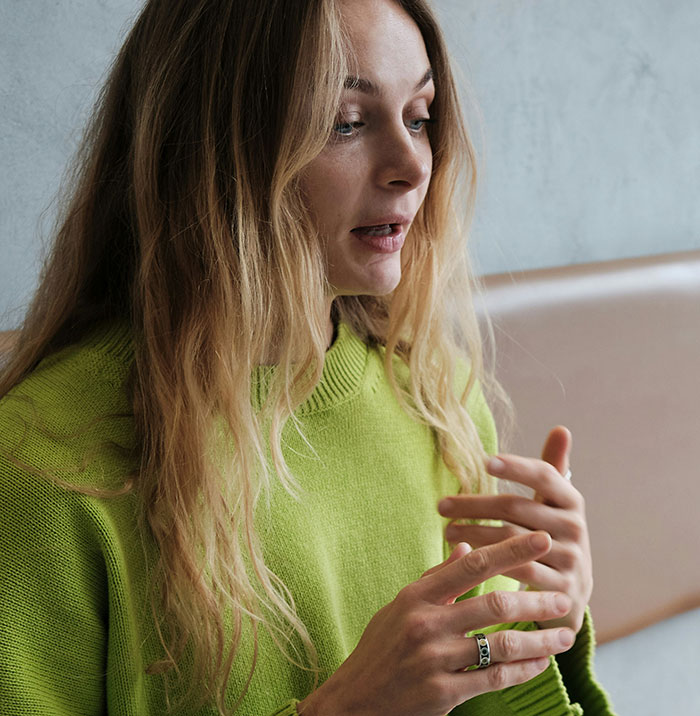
(273, 353)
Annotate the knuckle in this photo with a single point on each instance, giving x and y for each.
(431, 655)
(441, 692)
(497, 677)
(550, 644)
(568, 559)
(534, 669)
(576, 527)
(475, 563)
(550, 475)
(510, 645)
(499, 604)
(528, 572)
(407, 596)
(418, 628)
(510, 531)
(512, 505)
(568, 584)
(519, 551)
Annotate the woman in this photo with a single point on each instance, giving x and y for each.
(238, 398)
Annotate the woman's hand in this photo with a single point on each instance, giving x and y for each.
(412, 655)
(557, 508)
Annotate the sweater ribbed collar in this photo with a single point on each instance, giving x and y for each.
(343, 371)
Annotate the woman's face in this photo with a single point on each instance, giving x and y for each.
(366, 186)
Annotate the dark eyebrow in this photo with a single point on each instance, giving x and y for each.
(425, 79)
(360, 84)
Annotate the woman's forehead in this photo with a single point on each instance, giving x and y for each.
(385, 44)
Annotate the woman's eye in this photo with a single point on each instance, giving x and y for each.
(416, 125)
(346, 129)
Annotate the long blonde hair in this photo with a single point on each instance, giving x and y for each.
(186, 220)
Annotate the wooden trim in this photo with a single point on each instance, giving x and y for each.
(685, 604)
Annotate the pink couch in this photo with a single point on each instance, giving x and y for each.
(612, 351)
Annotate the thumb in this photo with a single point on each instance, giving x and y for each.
(557, 448)
(459, 551)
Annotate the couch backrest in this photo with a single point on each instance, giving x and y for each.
(612, 351)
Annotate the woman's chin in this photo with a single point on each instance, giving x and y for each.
(377, 279)
(375, 285)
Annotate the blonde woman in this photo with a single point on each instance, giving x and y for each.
(239, 396)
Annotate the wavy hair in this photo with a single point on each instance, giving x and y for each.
(185, 219)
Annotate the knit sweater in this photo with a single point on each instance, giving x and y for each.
(76, 632)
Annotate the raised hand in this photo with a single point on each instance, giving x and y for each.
(413, 654)
(557, 508)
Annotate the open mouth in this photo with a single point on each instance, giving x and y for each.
(378, 230)
(383, 238)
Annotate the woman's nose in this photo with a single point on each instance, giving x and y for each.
(404, 161)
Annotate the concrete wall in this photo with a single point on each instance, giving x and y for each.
(591, 138)
(590, 119)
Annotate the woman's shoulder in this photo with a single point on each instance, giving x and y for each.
(70, 417)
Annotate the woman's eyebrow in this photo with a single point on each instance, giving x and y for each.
(359, 84)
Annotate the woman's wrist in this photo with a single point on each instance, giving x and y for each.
(318, 703)
(306, 707)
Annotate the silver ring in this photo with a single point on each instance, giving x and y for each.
(567, 475)
(482, 644)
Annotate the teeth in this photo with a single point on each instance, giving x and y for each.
(383, 230)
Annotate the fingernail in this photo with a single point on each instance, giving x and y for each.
(538, 540)
(445, 505)
(563, 603)
(464, 547)
(495, 466)
(566, 637)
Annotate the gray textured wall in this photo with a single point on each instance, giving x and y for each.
(590, 121)
(591, 142)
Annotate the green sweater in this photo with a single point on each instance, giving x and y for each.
(75, 627)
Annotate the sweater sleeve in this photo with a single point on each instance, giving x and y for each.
(53, 635)
(576, 666)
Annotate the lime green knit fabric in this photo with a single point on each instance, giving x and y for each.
(76, 632)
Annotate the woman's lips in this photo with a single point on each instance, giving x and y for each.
(385, 239)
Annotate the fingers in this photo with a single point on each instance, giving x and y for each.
(541, 476)
(521, 514)
(541, 576)
(508, 646)
(459, 551)
(514, 509)
(481, 535)
(498, 677)
(502, 607)
(557, 448)
(473, 568)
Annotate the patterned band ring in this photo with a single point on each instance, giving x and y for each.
(482, 644)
